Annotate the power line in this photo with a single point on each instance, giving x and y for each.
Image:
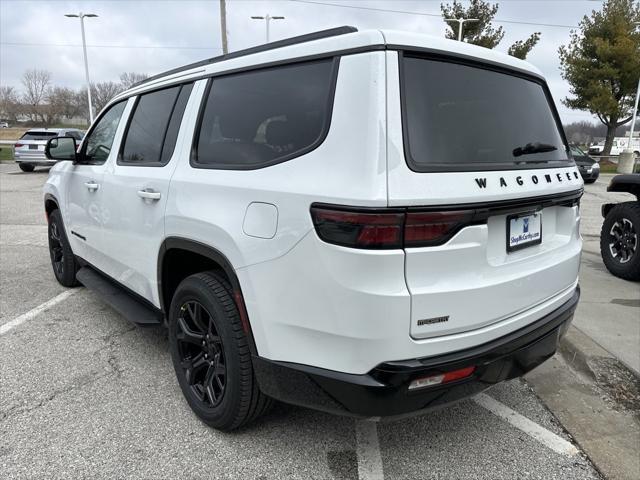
(424, 14)
(170, 47)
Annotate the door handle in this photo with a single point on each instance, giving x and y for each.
(149, 194)
(91, 185)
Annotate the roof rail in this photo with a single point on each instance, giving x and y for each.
(331, 32)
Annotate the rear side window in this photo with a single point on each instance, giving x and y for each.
(259, 118)
(38, 135)
(153, 128)
(461, 117)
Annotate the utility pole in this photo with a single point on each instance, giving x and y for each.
(627, 160)
(267, 18)
(461, 21)
(223, 26)
(82, 16)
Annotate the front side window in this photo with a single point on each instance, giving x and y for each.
(153, 129)
(462, 117)
(99, 141)
(259, 118)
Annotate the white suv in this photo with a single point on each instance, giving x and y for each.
(370, 223)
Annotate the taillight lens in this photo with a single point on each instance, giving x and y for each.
(387, 229)
(428, 228)
(18, 145)
(359, 230)
(441, 378)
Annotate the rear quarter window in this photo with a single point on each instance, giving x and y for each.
(464, 117)
(259, 118)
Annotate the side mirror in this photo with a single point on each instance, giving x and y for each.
(61, 148)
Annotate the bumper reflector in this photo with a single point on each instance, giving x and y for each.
(441, 378)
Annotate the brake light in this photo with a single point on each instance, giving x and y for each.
(18, 145)
(357, 229)
(442, 378)
(387, 228)
(426, 228)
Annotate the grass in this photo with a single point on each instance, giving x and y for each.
(6, 153)
(609, 167)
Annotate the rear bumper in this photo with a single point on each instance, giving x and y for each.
(383, 392)
(37, 161)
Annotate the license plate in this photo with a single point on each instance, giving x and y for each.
(524, 230)
(33, 147)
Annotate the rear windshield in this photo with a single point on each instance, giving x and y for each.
(459, 117)
(38, 135)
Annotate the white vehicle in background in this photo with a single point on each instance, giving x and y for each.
(28, 152)
(619, 145)
(4, 125)
(310, 224)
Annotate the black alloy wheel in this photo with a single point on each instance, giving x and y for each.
(201, 353)
(211, 353)
(63, 260)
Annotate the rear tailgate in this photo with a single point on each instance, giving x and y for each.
(464, 137)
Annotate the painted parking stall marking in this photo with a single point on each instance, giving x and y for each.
(368, 450)
(541, 434)
(34, 312)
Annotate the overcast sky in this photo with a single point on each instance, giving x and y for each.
(156, 35)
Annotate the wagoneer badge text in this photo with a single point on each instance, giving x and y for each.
(547, 177)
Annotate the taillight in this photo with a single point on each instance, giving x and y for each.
(18, 145)
(357, 229)
(387, 229)
(428, 228)
(441, 378)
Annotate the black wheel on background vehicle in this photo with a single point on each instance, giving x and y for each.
(26, 167)
(62, 259)
(592, 180)
(211, 355)
(620, 240)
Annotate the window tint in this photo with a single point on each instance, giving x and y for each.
(460, 117)
(145, 134)
(38, 135)
(259, 118)
(174, 124)
(100, 139)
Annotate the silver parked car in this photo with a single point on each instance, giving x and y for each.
(29, 150)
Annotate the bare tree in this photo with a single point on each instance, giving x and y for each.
(62, 103)
(9, 104)
(36, 85)
(102, 92)
(129, 79)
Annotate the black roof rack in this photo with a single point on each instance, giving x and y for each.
(331, 32)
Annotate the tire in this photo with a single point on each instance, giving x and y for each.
(211, 354)
(63, 261)
(620, 240)
(593, 180)
(26, 167)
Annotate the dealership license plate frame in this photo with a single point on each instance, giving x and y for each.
(537, 241)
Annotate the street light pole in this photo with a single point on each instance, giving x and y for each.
(461, 21)
(81, 16)
(223, 26)
(267, 18)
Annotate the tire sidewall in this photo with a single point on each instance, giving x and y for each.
(68, 277)
(194, 288)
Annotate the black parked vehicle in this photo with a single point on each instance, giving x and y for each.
(588, 167)
(620, 235)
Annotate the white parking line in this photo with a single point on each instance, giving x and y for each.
(5, 328)
(541, 434)
(368, 450)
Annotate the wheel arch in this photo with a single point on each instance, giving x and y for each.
(50, 204)
(189, 257)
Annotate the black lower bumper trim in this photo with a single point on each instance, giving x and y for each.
(383, 392)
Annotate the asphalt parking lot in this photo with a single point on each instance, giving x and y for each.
(83, 393)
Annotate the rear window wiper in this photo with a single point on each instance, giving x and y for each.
(535, 147)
